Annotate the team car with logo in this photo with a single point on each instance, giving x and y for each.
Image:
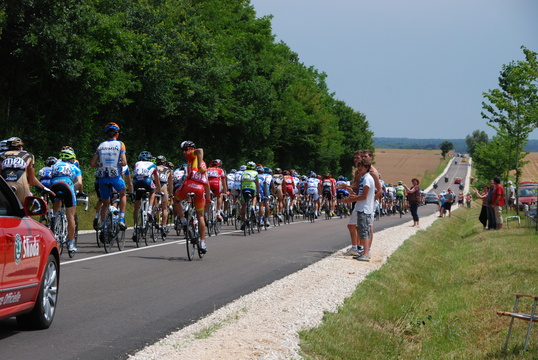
(29, 262)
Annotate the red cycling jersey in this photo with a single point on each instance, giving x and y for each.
(215, 176)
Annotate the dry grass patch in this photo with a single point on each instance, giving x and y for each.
(405, 164)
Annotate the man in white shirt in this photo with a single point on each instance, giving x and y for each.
(365, 206)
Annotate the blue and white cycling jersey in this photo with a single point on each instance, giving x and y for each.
(64, 172)
(143, 172)
(45, 176)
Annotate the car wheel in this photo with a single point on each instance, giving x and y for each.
(43, 312)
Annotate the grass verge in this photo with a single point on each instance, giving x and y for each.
(436, 298)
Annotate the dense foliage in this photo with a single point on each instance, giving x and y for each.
(168, 70)
(512, 110)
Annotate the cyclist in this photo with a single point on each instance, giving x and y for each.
(341, 192)
(264, 178)
(45, 172)
(178, 177)
(18, 169)
(109, 158)
(250, 187)
(67, 178)
(312, 189)
(146, 177)
(167, 187)
(329, 192)
(195, 182)
(278, 193)
(290, 189)
(217, 183)
(400, 195)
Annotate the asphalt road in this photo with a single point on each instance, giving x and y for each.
(112, 305)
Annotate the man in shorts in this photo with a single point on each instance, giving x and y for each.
(364, 207)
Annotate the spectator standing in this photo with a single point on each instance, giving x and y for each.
(492, 224)
(364, 207)
(483, 217)
(511, 195)
(449, 200)
(468, 199)
(413, 196)
(498, 202)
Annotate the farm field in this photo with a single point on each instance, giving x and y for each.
(404, 164)
(530, 171)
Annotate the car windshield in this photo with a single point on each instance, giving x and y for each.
(527, 192)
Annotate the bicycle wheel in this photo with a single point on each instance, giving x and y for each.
(217, 227)
(237, 219)
(149, 231)
(120, 239)
(192, 236)
(59, 233)
(108, 233)
(210, 220)
(139, 228)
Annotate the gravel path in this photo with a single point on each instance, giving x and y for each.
(264, 324)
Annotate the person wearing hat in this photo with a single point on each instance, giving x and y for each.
(18, 169)
(511, 195)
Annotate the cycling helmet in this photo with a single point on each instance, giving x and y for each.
(267, 170)
(51, 160)
(400, 182)
(294, 173)
(312, 174)
(14, 143)
(153, 159)
(286, 172)
(251, 165)
(161, 160)
(233, 171)
(3, 145)
(67, 155)
(242, 168)
(259, 169)
(187, 144)
(328, 175)
(216, 162)
(340, 178)
(278, 171)
(303, 177)
(112, 127)
(144, 155)
(319, 177)
(170, 164)
(68, 148)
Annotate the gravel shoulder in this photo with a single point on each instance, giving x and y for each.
(265, 323)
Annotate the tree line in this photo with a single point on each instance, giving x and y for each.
(208, 71)
(512, 111)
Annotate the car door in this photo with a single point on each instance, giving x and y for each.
(21, 244)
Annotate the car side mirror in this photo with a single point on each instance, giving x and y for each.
(34, 206)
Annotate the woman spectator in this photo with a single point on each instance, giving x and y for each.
(413, 194)
(483, 217)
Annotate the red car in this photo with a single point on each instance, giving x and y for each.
(458, 180)
(29, 262)
(527, 193)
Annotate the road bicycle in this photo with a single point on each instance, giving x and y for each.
(156, 219)
(143, 226)
(310, 209)
(110, 231)
(288, 211)
(213, 223)
(192, 234)
(250, 222)
(60, 227)
(273, 208)
(325, 207)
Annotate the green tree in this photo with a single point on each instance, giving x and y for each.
(445, 147)
(513, 108)
(477, 137)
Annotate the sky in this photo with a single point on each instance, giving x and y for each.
(415, 68)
